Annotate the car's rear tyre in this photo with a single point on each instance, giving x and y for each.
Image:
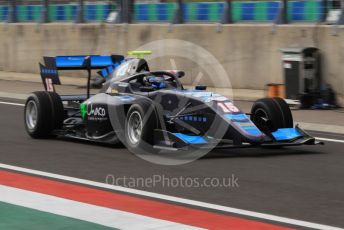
(273, 110)
(57, 110)
(139, 128)
(43, 113)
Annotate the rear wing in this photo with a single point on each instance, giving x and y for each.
(50, 70)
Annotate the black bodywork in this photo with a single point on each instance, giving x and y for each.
(182, 118)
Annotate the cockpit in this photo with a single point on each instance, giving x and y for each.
(153, 81)
(134, 76)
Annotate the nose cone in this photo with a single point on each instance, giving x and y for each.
(239, 123)
(242, 124)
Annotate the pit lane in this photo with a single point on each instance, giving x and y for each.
(303, 183)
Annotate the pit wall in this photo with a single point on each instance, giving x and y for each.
(249, 53)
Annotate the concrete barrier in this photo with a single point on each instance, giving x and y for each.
(250, 53)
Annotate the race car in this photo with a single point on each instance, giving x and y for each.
(151, 110)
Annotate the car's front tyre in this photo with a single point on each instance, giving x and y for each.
(138, 127)
(272, 114)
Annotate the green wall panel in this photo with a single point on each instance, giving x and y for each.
(260, 13)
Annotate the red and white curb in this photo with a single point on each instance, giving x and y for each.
(112, 209)
(135, 207)
(83, 211)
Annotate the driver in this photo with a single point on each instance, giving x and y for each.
(157, 82)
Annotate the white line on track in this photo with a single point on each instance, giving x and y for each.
(174, 199)
(328, 139)
(11, 103)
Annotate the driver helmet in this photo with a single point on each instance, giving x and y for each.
(157, 82)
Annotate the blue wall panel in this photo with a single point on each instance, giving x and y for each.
(297, 11)
(91, 11)
(60, 14)
(142, 12)
(202, 11)
(247, 10)
(30, 13)
(186, 12)
(272, 10)
(162, 12)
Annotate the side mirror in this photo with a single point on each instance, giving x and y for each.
(200, 87)
(180, 74)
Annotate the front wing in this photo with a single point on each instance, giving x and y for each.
(282, 137)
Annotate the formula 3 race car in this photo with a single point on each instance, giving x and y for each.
(151, 111)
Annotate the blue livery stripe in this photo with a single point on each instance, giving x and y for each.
(101, 61)
(110, 69)
(104, 73)
(286, 134)
(69, 61)
(192, 118)
(252, 130)
(77, 61)
(248, 127)
(240, 116)
(191, 139)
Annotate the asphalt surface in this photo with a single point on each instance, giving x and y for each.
(304, 183)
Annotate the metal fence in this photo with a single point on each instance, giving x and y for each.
(128, 11)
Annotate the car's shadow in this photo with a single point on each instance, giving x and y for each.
(92, 143)
(259, 152)
(218, 153)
